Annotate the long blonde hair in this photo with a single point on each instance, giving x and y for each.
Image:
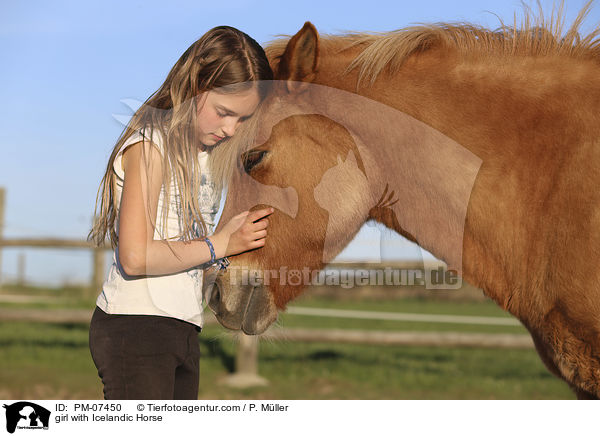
(225, 60)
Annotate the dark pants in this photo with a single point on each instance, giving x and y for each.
(145, 357)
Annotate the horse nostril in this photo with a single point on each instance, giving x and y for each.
(252, 158)
(216, 295)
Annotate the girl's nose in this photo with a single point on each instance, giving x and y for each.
(230, 126)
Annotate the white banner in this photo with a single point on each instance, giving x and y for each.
(264, 418)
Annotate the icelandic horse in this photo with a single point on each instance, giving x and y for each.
(482, 146)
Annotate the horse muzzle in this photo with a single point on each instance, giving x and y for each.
(237, 305)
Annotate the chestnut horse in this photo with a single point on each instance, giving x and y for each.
(482, 146)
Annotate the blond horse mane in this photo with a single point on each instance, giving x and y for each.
(536, 35)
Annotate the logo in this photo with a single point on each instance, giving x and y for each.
(26, 415)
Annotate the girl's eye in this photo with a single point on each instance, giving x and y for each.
(221, 114)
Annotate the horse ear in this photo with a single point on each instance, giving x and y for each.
(298, 63)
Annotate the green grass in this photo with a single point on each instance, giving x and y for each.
(42, 361)
(45, 361)
(50, 361)
(338, 371)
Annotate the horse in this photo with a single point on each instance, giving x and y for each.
(482, 146)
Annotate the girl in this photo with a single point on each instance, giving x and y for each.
(157, 204)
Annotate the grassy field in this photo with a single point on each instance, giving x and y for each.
(50, 361)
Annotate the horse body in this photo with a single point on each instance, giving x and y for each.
(533, 199)
(531, 232)
(521, 223)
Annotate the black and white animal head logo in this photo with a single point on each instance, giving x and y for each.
(26, 415)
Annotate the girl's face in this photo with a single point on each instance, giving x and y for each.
(219, 115)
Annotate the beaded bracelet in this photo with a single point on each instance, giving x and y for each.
(221, 263)
(213, 257)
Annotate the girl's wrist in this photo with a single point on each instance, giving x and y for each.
(211, 249)
(219, 245)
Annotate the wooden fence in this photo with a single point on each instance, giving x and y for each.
(98, 267)
(246, 367)
(98, 263)
(247, 350)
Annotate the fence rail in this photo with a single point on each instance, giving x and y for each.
(398, 316)
(246, 374)
(375, 337)
(48, 243)
(98, 263)
(247, 350)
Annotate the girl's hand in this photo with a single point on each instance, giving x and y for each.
(242, 233)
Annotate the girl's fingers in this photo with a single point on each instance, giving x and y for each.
(258, 214)
(260, 234)
(258, 243)
(260, 225)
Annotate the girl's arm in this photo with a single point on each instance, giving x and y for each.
(140, 254)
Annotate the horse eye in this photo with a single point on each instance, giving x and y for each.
(252, 158)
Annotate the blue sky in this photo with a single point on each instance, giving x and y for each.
(67, 65)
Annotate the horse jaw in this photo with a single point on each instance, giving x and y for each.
(239, 306)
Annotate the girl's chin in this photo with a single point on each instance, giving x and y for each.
(205, 146)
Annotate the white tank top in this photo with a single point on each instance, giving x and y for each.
(174, 295)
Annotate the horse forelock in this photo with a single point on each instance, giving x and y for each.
(536, 35)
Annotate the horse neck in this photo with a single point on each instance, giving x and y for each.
(420, 179)
(480, 115)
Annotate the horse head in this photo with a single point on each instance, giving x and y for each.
(308, 183)
(325, 159)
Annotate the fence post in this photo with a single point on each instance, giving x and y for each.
(246, 364)
(21, 270)
(246, 361)
(98, 270)
(2, 197)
